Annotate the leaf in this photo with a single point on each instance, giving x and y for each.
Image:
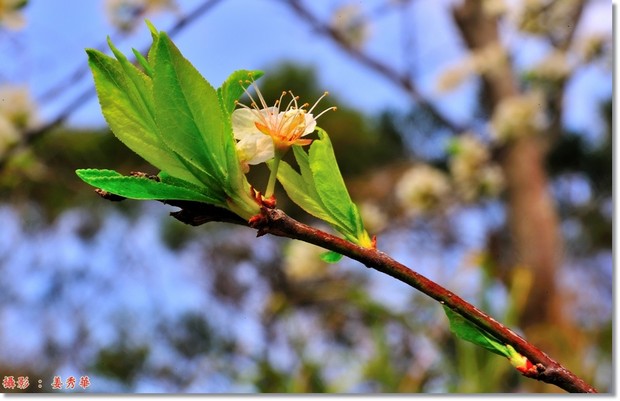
(301, 193)
(234, 86)
(331, 257)
(128, 115)
(466, 330)
(148, 69)
(143, 188)
(188, 113)
(333, 192)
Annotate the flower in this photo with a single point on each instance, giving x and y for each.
(124, 14)
(518, 116)
(422, 189)
(351, 25)
(10, 15)
(261, 131)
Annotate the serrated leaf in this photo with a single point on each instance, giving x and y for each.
(467, 331)
(332, 190)
(189, 117)
(234, 86)
(331, 257)
(128, 116)
(143, 188)
(148, 69)
(298, 192)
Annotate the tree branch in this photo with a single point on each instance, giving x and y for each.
(276, 222)
(401, 80)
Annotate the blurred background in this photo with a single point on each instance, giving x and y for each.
(475, 136)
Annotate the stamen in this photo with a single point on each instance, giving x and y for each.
(317, 102)
(333, 108)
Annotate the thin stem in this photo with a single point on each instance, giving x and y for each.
(271, 184)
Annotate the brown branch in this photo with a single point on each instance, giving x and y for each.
(401, 80)
(276, 222)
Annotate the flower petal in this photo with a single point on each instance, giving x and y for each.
(243, 123)
(255, 149)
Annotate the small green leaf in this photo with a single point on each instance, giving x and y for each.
(234, 86)
(143, 188)
(148, 69)
(331, 257)
(301, 193)
(467, 331)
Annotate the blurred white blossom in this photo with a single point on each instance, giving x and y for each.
(351, 24)
(473, 172)
(553, 68)
(17, 114)
(126, 14)
(374, 218)
(484, 61)
(302, 261)
(592, 46)
(422, 189)
(494, 8)
(11, 16)
(518, 116)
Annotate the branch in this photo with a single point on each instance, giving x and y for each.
(401, 80)
(276, 222)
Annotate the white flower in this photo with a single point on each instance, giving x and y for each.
(9, 135)
(472, 171)
(302, 261)
(483, 61)
(125, 14)
(10, 14)
(518, 116)
(350, 23)
(422, 189)
(555, 67)
(374, 218)
(260, 131)
(17, 107)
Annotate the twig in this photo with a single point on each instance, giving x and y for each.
(276, 222)
(401, 80)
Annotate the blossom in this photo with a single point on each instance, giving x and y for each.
(124, 14)
(302, 261)
(262, 130)
(518, 116)
(17, 114)
(349, 22)
(422, 189)
(553, 68)
(10, 15)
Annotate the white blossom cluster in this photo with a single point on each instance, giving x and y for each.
(11, 16)
(126, 14)
(422, 189)
(484, 61)
(351, 24)
(519, 116)
(302, 261)
(17, 114)
(555, 67)
(473, 172)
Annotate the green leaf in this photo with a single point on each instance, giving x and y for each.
(234, 86)
(301, 193)
(148, 69)
(466, 330)
(331, 257)
(144, 188)
(333, 192)
(128, 114)
(189, 117)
